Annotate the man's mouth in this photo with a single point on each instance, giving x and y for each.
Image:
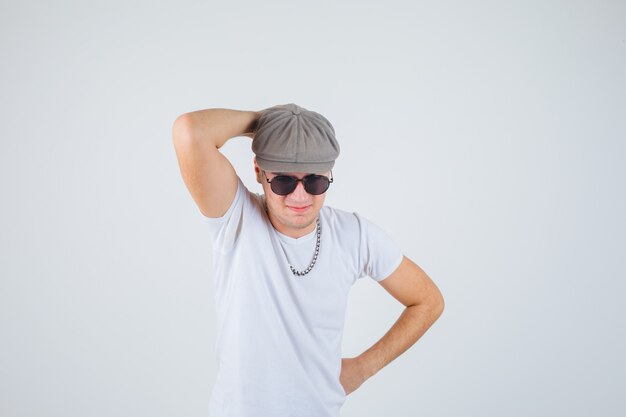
(299, 209)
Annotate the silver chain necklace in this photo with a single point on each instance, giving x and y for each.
(317, 247)
(317, 251)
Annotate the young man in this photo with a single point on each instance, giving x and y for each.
(284, 264)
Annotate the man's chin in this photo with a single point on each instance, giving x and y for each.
(302, 222)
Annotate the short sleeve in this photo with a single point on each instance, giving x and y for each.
(379, 255)
(224, 230)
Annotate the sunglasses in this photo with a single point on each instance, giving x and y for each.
(286, 184)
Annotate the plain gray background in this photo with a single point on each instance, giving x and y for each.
(487, 138)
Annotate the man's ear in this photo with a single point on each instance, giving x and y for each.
(258, 173)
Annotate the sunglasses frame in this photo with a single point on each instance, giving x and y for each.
(330, 180)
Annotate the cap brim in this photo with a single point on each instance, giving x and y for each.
(308, 167)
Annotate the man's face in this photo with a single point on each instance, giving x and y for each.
(293, 214)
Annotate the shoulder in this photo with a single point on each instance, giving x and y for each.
(253, 203)
(353, 227)
(341, 222)
(337, 216)
(342, 218)
(249, 197)
(244, 220)
(245, 204)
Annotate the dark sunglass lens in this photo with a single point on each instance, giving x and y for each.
(316, 184)
(283, 185)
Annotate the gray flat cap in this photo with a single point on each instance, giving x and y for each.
(290, 138)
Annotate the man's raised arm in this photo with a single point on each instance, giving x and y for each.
(208, 175)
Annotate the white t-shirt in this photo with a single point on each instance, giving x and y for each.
(279, 335)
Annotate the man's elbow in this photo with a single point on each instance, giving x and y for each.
(182, 128)
(439, 306)
(435, 304)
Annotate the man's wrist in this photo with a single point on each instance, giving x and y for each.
(251, 128)
(367, 370)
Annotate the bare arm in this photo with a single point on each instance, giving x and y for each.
(424, 303)
(208, 175)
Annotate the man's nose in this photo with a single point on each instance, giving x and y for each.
(300, 193)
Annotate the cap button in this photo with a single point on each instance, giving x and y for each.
(295, 110)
